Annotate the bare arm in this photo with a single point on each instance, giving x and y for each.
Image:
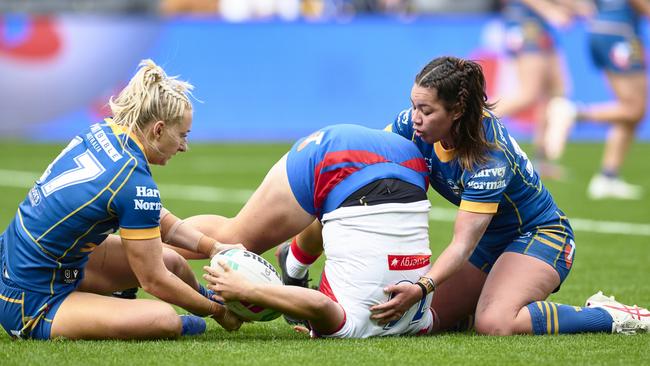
(301, 303)
(145, 259)
(179, 234)
(468, 230)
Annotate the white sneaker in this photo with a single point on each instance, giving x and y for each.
(560, 116)
(601, 187)
(627, 319)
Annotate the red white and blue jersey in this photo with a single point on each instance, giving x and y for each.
(98, 184)
(506, 185)
(329, 165)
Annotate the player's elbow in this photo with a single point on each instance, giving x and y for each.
(317, 306)
(153, 283)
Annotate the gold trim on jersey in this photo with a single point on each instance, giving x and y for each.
(140, 234)
(89, 248)
(444, 155)
(10, 299)
(514, 206)
(119, 130)
(479, 207)
(22, 224)
(74, 244)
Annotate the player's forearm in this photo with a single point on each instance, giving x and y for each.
(448, 263)
(171, 289)
(178, 233)
(298, 302)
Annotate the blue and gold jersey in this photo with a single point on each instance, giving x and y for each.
(525, 30)
(612, 12)
(615, 41)
(329, 165)
(506, 185)
(99, 183)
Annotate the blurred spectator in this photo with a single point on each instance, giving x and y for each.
(242, 10)
(208, 7)
(96, 6)
(453, 6)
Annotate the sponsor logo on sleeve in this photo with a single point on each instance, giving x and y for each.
(141, 204)
(146, 205)
(143, 191)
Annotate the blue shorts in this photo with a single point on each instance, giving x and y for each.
(24, 313)
(553, 244)
(617, 53)
(527, 32)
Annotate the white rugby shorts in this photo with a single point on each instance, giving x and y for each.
(368, 248)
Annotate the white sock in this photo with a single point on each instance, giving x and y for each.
(295, 268)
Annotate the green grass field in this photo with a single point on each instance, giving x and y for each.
(612, 256)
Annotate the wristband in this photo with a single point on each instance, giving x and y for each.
(428, 284)
(423, 288)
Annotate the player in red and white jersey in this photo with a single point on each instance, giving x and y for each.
(368, 190)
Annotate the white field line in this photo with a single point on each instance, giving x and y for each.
(22, 179)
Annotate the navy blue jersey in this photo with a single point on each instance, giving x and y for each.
(506, 185)
(525, 30)
(615, 41)
(98, 184)
(332, 163)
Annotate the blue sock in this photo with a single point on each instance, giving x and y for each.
(552, 318)
(192, 325)
(208, 294)
(609, 173)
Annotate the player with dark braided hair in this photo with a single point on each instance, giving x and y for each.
(512, 246)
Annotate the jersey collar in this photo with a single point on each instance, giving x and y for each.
(443, 154)
(120, 130)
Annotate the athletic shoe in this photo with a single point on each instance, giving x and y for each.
(129, 293)
(283, 252)
(601, 187)
(561, 116)
(627, 319)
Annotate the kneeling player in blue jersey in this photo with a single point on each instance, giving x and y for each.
(368, 189)
(57, 256)
(512, 246)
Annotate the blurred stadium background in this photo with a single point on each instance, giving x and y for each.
(268, 72)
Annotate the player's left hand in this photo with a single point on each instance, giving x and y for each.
(228, 320)
(226, 283)
(403, 296)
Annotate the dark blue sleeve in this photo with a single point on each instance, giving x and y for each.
(402, 125)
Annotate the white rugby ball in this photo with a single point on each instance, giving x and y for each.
(255, 269)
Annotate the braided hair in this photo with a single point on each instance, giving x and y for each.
(151, 96)
(460, 85)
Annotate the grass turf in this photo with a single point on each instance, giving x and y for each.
(615, 263)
